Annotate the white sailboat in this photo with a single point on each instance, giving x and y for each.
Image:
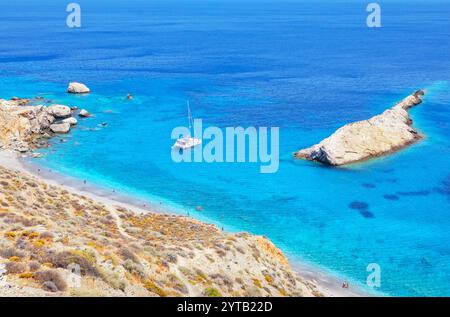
(187, 141)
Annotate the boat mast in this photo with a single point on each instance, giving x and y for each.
(190, 119)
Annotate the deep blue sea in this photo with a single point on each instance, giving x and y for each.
(307, 67)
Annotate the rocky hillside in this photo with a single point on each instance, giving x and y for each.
(24, 127)
(48, 232)
(380, 135)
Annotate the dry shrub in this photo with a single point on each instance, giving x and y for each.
(47, 235)
(134, 268)
(114, 280)
(66, 258)
(127, 254)
(34, 266)
(51, 276)
(12, 218)
(15, 267)
(171, 258)
(177, 284)
(10, 252)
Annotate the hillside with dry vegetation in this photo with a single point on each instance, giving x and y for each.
(46, 229)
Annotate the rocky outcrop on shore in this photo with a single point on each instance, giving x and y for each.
(47, 231)
(62, 127)
(25, 127)
(377, 136)
(59, 111)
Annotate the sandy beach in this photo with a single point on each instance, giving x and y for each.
(325, 284)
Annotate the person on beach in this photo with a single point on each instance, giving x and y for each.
(345, 284)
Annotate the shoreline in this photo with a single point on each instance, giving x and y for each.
(327, 284)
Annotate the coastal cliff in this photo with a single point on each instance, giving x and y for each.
(47, 231)
(24, 127)
(358, 141)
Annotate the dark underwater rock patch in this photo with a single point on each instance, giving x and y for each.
(366, 214)
(358, 205)
(425, 262)
(362, 207)
(284, 199)
(415, 193)
(444, 189)
(391, 197)
(368, 185)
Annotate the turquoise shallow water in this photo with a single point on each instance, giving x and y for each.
(305, 68)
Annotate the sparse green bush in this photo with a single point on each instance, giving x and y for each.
(153, 288)
(212, 292)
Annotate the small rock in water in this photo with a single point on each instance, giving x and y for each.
(78, 88)
(84, 113)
